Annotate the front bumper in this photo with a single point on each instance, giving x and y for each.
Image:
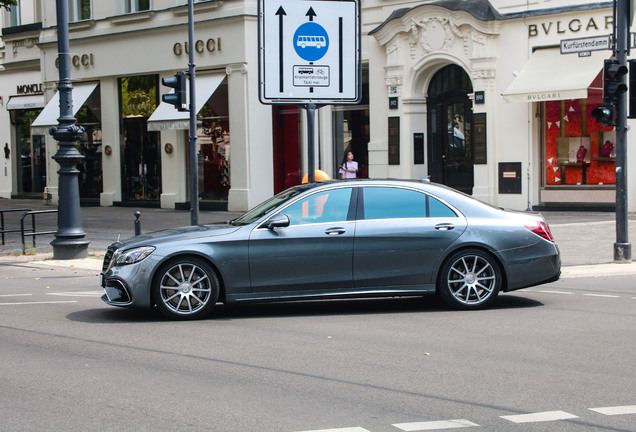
(129, 285)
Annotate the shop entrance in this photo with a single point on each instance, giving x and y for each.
(141, 158)
(450, 117)
(30, 156)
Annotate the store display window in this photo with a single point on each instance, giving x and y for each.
(578, 151)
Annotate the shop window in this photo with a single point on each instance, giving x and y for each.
(578, 150)
(213, 145)
(137, 5)
(79, 10)
(351, 130)
(30, 155)
(90, 146)
(286, 146)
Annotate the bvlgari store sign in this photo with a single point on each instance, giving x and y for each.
(575, 26)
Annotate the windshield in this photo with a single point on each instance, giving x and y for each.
(262, 209)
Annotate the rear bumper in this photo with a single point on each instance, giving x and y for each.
(533, 265)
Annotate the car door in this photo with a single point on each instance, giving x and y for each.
(400, 236)
(315, 252)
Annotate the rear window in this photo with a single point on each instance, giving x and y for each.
(398, 203)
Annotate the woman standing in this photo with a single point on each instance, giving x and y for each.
(349, 167)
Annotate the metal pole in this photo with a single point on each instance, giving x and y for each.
(70, 242)
(622, 247)
(194, 162)
(311, 145)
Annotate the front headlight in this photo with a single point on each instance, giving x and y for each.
(132, 256)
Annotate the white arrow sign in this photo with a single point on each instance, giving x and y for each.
(309, 51)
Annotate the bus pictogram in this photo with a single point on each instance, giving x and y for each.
(311, 41)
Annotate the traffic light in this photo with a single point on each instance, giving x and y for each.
(632, 89)
(613, 83)
(604, 114)
(178, 98)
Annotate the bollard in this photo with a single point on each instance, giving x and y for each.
(137, 223)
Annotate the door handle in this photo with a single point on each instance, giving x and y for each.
(335, 231)
(444, 226)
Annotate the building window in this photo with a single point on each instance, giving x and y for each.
(133, 6)
(14, 16)
(79, 10)
(578, 150)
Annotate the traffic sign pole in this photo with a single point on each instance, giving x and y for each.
(622, 247)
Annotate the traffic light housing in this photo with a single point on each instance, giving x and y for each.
(178, 98)
(604, 114)
(613, 83)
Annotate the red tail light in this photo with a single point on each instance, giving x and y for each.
(540, 228)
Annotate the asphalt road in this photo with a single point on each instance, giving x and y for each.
(554, 357)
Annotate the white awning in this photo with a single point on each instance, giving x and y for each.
(550, 75)
(25, 102)
(166, 116)
(51, 112)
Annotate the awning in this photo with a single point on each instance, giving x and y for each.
(550, 75)
(166, 116)
(25, 102)
(51, 112)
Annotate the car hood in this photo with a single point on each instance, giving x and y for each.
(198, 232)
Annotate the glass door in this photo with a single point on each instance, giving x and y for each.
(141, 157)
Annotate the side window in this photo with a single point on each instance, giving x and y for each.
(436, 208)
(393, 203)
(324, 207)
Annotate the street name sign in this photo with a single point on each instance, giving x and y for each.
(309, 51)
(587, 44)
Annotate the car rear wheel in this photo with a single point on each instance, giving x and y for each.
(186, 288)
(469, 279)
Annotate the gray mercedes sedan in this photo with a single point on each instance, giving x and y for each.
(337, 239)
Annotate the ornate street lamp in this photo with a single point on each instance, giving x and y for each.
(70, 242)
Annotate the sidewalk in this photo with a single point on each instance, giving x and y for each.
(586, 239)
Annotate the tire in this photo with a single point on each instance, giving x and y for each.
(469, 279)
(185, 288)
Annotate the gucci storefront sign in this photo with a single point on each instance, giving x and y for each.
(200, 46)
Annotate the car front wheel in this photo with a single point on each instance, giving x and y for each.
(185, 288)
(469, 279)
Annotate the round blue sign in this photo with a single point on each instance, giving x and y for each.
(311, 41)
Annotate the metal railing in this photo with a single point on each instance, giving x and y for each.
(24, 232)
(3, 229)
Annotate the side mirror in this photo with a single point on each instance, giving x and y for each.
(278, 221)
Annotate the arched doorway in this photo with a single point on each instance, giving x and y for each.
(450, 120)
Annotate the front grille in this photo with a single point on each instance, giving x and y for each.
(108, 257)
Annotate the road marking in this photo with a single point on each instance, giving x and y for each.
(602, 295)
(539, 417)
(34, 303)
(349, 429)
(554, 292)
(617, 410)
(15, 295)
(78, 294)
(435, 425)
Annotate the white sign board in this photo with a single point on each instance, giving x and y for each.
(309, 51)
(595, 43)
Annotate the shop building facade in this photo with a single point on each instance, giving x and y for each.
(471, 94)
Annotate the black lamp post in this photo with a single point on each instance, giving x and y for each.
(70, 242)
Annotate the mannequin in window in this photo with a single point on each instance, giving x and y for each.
(606, 151)
(580, 154)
